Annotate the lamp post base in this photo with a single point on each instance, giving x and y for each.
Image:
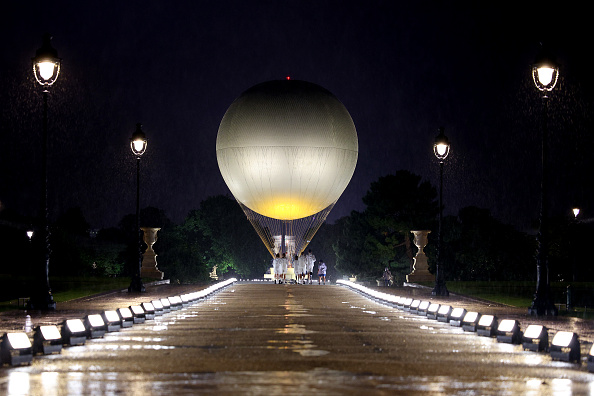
(43, 302)
(440, 290)
(542, 307)
(136, 285)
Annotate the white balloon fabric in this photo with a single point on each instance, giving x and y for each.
(287, 149)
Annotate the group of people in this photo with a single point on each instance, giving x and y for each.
(303, 266)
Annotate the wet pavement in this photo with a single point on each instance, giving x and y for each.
(261, 338)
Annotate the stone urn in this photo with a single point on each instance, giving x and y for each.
(420, 271)
(149, 257)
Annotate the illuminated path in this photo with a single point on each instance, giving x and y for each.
(279, 339)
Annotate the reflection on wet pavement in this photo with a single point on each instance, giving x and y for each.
(261, 339)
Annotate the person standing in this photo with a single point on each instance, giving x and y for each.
(284, 263)
(387, 277)
(276, 268)
(322, 272)
(310, 259)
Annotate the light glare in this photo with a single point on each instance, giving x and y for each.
(545, 75)
(46, 69)
(50, 333)
(533, 331)
(19, 340)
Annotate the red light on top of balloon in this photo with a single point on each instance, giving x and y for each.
(288, 77)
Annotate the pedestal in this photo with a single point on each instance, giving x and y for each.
(420, 271)
(149, 258)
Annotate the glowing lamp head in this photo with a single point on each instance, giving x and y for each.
(46, 64)
(576, 212)
(545, 71)
(441, 147)
(30, 234)
(138, 141)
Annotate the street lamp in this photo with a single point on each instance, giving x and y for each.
(441, 148)
(545, 73)
(576, 212)
(46, 68)
(138, 144)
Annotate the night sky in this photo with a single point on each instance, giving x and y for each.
(401, 71)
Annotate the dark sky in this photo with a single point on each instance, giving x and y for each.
(401, 71)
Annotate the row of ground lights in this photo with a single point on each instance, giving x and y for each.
(18, 349)
(565, 345)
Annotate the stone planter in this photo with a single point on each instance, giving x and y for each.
(420, 271)
(149, 257)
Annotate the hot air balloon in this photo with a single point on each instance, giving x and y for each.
(287, 149)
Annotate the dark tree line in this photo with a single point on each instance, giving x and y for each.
(476, 246)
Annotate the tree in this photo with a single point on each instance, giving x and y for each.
(216, 234)
(486, 249)
(396, 204)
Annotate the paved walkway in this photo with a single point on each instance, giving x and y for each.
(15, 320)
(290, 340)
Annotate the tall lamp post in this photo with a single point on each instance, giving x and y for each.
(545, 73)
(441, 148)
(46, 67)
(138, 144)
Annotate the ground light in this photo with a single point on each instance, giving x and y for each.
(535, 338)
(487, 326)
(470, 321)
(407, 303)
(112, 320)
(432, 310)
(74, 332)
(47, 340)
(166, 305)
(95, 326)
(456, 316)
(444, 313)
(158, 307)
(185, 300)
(16, 349)
(509, 332)
(126, 317)
(414, 306)
(137, 313)
(175, 303)
(565, 347)
(423, 307)
(591, 360)
(149, 310)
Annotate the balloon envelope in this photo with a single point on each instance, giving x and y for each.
(287, 149)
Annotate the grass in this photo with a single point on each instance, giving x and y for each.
(70, 288)
(521, 293)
